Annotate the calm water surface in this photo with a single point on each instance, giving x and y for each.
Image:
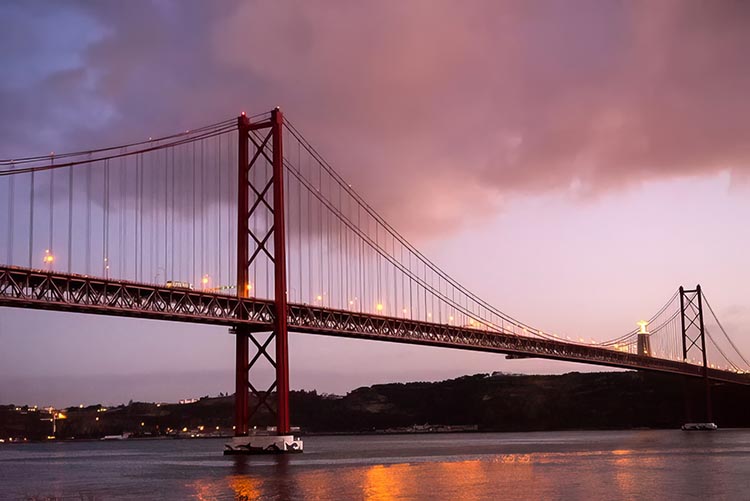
(559, 465)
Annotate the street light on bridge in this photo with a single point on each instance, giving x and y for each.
(48, 258)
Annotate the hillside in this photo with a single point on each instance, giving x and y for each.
(606, 400)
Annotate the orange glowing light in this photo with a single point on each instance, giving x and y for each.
(379, 307)
(48, 257)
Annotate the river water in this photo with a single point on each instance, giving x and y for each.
(555, 465)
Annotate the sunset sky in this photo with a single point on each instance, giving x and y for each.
(573, 163)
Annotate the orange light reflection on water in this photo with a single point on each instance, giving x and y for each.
(624, 476)
(245, 488)
(534, 475)
(204, 490)
(324, 484)
(383, 483)
(467, 477)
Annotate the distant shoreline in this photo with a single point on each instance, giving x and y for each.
(606, 401)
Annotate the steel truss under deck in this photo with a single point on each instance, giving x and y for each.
(38, 289)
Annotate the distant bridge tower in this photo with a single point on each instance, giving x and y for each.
(694, 335)
(644, 339)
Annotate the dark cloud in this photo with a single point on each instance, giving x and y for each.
(441, 110)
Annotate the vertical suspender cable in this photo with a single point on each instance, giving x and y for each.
(299, 223)
(321, 288)
(310, 240)
(341, 256)
(70, 219)
(167, 267)
(361, 262)
(31, 221)
(203, 214)
(105, 222)
(11, 216)
(194, 253)
(396, 305)
(327, 232)
(88, 218)
(230, 211)
(136, 202)
(123, 207)
(175, 255)
(379, 294)
(218, 209)
(51, 205)
(139, 221)
(269, 224)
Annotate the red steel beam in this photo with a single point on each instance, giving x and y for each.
(279, 268)
(241, 398)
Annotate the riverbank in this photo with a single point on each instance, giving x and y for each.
(482, 402)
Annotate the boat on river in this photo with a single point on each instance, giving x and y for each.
(699, 427)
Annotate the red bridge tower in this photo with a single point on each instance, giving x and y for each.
(282, 441)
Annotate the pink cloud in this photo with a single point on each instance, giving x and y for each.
(438, 111)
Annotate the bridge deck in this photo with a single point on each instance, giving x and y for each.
(27, 288)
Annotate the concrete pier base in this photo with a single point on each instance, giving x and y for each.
(264, 444)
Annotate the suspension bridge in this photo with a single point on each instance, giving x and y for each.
(243, 223)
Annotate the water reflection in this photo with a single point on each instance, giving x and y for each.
(617, 465)
(325, 484)
(245, 488)
(518, 476)
(203, 490)
(467, 480)
(467, 477)
(247, 484)
(624, 477)
(384, 483)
